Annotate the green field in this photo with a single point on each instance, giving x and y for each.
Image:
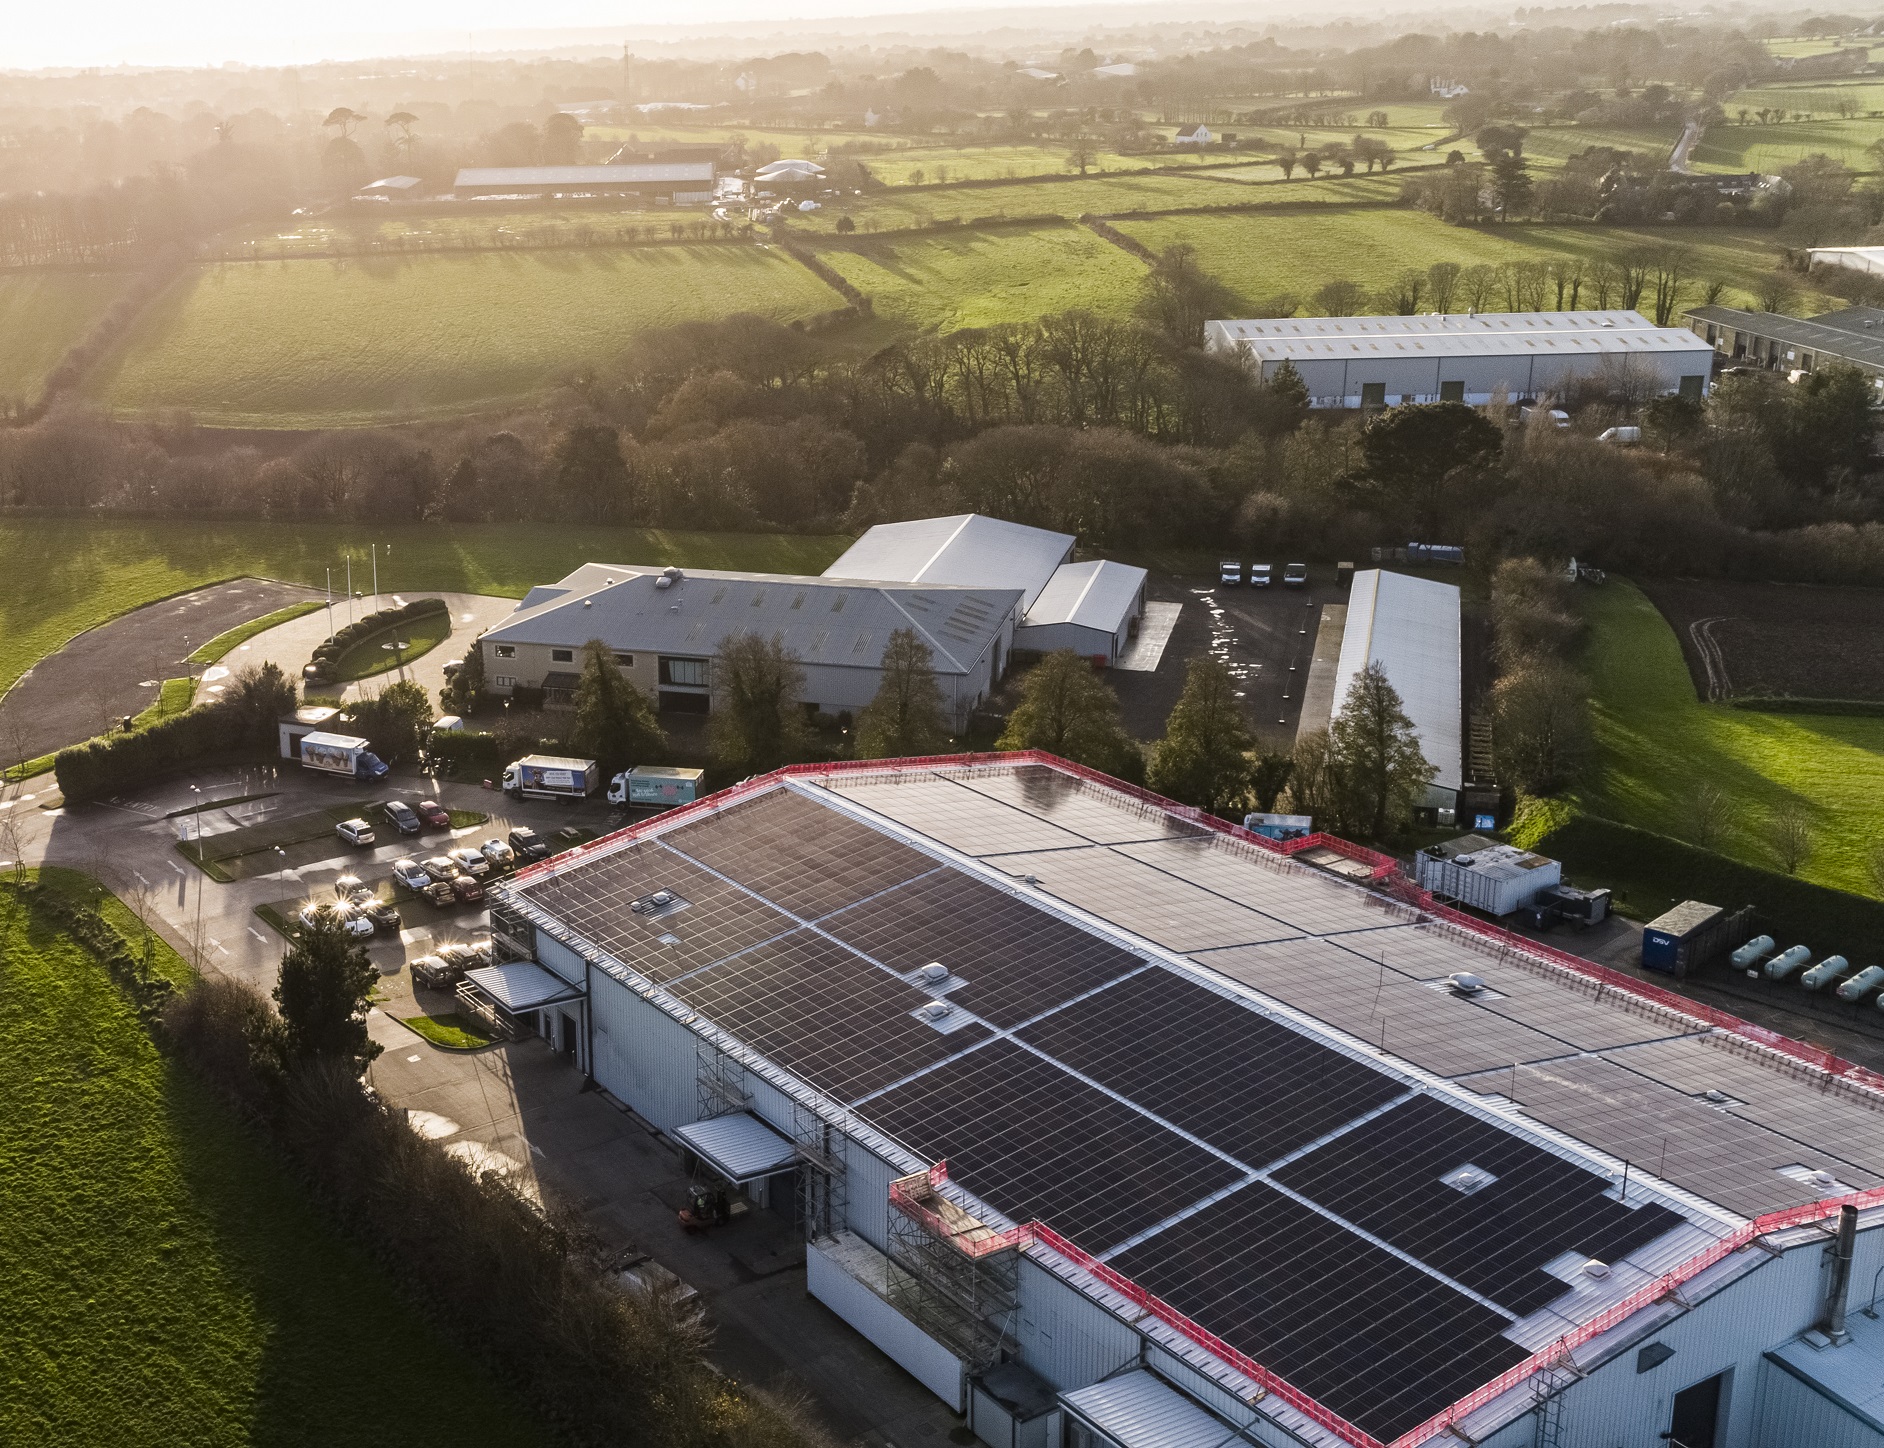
(327, 343)
(953, 279)
(1770, 148)
(71, 574)
(167, 1282)
(1262, 253)
(42, 313)
(1551, 146)
(1657, 743)
(984, 163)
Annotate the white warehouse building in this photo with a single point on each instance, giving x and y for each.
(1118, 1127)
(1466, 357)
(1410, 627)
(972, 588)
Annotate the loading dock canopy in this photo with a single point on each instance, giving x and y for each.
(740, 1147)
(1139, 1410)
(521, 985)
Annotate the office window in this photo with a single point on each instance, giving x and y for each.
(506, 651)
(687, 673)
(627, 661)
(503, 681)
(1452, 392)
(562, 656)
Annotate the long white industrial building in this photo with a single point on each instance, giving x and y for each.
(1118, 1127)
(1410, 627)
(1466, 357)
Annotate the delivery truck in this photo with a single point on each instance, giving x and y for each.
(344, 756)
(660, 785)
(546, 776)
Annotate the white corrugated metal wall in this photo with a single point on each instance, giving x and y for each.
(642, 1055)
(1065, 1336)
(1789, 1412)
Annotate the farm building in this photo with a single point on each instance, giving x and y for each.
(1118, 1127)
(1091, 608)
(1853, 336)
(676, 181)
(1410, 627)
(1852, 258)
(965, 585)
(1384, 361)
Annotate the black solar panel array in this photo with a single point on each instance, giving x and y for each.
(1373, 1337)
(1016, 960)
(1386, 1177)
(801, 856)
(827, 1016)
(1249, 1086)
(1023, 1135)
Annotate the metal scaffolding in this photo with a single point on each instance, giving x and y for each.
(719, 1081)
(957, 1278)
(822, 1197)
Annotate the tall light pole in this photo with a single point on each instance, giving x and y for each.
(398, 649)
(201, 875)
(373, 550)
(330, 600)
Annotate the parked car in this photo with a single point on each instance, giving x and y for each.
(411, 874)
(436, 973)
(470, 860)
(349, 919)
(1229, 572)
(441, 867)
(440, 893)
(355, 832)
(351, 888)
(465, 955)
(528, 843)
(434, 814)
(400, 814)
(501, 856)
(467, 889)
(383, 913)
(1296, 575)
(1261, 575)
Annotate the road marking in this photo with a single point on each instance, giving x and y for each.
(415, 1058)
(140, 877)
(175, 866)
(258, 935)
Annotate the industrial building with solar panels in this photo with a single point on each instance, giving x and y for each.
(1116, 1125)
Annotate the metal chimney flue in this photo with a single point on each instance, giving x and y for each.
(1832, 1321)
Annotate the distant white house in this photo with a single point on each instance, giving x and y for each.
(1198, 135)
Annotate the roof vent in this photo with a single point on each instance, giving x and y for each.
(1717, 1096)
(663, 581)
(673, 573)
(1822, 1178)
(936, 1011)
(588, 603)
(934, 973)
(1465, 983)
(1468, 1179)
(1598, 1270)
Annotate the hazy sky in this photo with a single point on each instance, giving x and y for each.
(198, 32)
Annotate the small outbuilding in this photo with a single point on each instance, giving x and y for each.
(1092, 608)
(308, 719)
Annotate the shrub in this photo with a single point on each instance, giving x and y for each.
(337, 643)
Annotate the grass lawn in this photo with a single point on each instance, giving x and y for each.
(212, 651)
(70, 574)
(335, 343)
(42, 313)
(1550, 146)
(370, 656)
(1657, 742)
(451, 1031)
(972, 278)
(167, 1283)
(1770, 148)
(1261, 253)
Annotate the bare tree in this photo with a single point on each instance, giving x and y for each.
(11, 848)
(1709, 813)
(1790, 827)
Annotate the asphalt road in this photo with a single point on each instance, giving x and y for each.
(117, 668)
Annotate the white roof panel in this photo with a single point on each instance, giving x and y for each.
(1100, 595)
(964, 549)
(740, 1147)
(520, 985)
(1565, 334)
(1410, 627)
(1138, 1410)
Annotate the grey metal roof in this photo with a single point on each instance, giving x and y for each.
(1140, 1410)
(1410, 627)
(822, 620)
(473, 176)
(1840, 334)
(1450, 334)
(966, 548)
(1098, 594)
(521, 985)
(739, 1146)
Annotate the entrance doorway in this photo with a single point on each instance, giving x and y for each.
(1696, 1418)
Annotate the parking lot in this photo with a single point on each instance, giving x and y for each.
(1264, 636)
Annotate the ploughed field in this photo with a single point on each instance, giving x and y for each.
(1773, 639)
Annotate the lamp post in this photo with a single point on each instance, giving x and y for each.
(283, 856)
(201, 873)
(398, 650)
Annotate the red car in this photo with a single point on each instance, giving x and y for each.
(434, 814)
(468, 891)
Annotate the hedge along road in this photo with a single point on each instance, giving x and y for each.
(117, 668)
